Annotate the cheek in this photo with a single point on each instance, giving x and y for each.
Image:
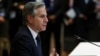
(38, 24)
(34, 23)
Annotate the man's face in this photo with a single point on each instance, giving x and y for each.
(39, 21)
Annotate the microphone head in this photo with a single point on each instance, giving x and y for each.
(77, 37)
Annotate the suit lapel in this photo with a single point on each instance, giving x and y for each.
(34, 47)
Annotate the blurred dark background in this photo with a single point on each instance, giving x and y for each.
(66, 19)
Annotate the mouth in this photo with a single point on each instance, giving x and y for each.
(44, 25)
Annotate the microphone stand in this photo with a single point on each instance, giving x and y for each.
(86, 41)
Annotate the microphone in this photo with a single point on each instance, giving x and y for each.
(79, 38)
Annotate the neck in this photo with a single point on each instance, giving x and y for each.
(33, 28)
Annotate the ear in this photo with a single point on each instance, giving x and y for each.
(29, 18)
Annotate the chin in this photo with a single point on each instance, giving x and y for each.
(43, 29)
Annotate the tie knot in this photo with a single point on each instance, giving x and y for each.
(37, 39)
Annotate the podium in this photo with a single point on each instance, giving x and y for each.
(86, 49)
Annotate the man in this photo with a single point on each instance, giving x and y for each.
(26, 41)
(3, 19)
(85, 16)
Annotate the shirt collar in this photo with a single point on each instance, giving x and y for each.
(34, 34)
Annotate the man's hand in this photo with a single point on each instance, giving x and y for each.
(52, 18)
(68, 21)
(53, 52)
(2, 20)
(83, 16)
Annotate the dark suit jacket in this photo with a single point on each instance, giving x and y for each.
(23, 44)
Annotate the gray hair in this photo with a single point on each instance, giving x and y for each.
(30, 9)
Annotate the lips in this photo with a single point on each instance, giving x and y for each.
(44, 25)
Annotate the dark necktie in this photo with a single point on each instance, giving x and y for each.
(39, 45)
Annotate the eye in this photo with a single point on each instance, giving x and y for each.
(43, 16)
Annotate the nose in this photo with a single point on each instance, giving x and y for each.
(46, 19)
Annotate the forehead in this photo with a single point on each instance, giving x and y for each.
(41, 10)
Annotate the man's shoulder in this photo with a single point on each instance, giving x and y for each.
(23, 32)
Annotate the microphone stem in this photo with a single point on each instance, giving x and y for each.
(86, 40)
(90, 42)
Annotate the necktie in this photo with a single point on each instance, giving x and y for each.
(39, 46)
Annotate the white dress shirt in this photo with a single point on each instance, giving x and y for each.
(34, 34)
